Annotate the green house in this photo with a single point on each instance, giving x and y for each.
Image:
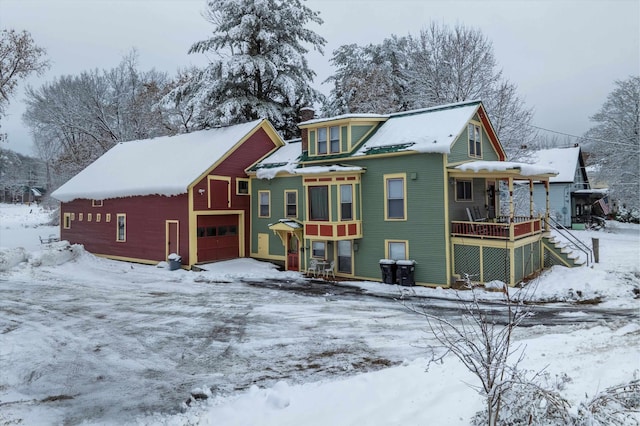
(420, 185)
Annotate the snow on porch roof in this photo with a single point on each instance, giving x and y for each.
(161, 166)
(524, 169)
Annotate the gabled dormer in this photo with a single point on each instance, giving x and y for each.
(334, 137)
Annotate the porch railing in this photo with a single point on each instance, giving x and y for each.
(502, 228)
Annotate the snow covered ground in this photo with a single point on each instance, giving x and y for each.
(94, 341)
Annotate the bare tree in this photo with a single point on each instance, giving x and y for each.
(19, 57)
(86, 115)
(615, 141)
(482, 340)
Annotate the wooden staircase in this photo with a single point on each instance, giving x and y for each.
(556, 252)
(564, 252)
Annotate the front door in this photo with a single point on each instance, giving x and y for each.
(171, 233)
(293, 259)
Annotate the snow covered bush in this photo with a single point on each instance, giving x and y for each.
(616, 405)
(534, 401)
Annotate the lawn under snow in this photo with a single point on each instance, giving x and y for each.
(94, 341)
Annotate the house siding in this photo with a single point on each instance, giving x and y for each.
(559, 201)
(260, 225)
(145, 226)
(424, 229)
(460, 148)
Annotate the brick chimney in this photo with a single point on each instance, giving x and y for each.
(306, 114)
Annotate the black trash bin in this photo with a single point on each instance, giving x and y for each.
(175, 261)
(388, 269)
(406, 272)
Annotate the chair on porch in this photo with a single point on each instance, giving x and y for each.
(329, 270)
(313, 267)
(477, 229)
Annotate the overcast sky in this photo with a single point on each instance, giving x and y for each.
(564, 56)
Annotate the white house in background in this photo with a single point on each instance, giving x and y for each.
(571, 198)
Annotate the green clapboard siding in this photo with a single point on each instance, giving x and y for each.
(277, 187)
(424, 228)
(358, 132)
(460, 148)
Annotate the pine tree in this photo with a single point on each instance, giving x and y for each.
(258, 67)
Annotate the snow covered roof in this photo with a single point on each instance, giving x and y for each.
(161, 166)
(564, 160)
(284, 159)
(344, 116)
(429, 130)
(525, 169)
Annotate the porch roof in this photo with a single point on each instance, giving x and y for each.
(498, 169)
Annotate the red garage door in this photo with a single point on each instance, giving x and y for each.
(218, 238)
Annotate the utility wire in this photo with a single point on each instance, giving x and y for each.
(582, 137)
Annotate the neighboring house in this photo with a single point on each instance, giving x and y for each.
(418, 185)
(186, 194)
(571, 198)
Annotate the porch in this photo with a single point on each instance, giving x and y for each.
(500, 228)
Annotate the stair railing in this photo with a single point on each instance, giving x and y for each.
(574, 241)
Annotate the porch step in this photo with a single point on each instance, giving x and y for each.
(557, 253)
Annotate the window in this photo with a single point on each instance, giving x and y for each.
(264, 203)
(67, 221)
(346, 202)
(96, 203)
(396, 250)
(318, 249)
(463, 190)
(475, 141)
(322, 140)
(98, 217)
(200, 231)
(334, 139)
(211, 231)
(121, 221)
(108, 217)
(291, 203)
(242, 186)
(318, 203)
(80, 217)
(345, 256)
(395, 205)
(89, 217)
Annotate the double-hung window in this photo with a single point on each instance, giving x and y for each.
(395, 203)
(475, 141)
(334, 139)
(264, 204)
(322, 140)
(291, 200)
(318, 249)
(346, 202)
(464, 190)
(319, 203)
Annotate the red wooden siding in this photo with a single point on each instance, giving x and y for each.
(145, 226)
(254, 148)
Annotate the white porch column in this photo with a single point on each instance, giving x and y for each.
(546, 211)
(511, 207)
(530, 199)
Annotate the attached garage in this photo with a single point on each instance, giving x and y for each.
(218, 237)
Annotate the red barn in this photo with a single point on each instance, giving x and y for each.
(186, 194)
